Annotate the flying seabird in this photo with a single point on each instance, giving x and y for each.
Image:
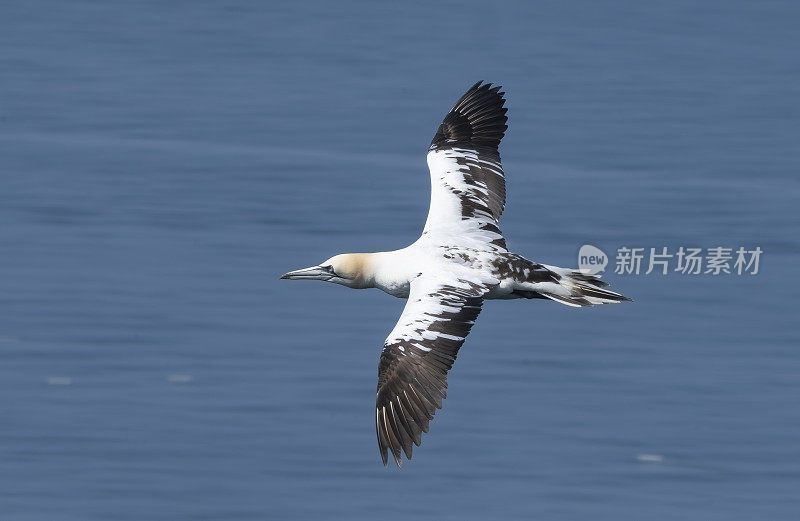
(459, 261)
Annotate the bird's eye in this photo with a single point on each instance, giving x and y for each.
(329, 269)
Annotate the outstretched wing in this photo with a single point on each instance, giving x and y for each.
(468, 186)
(416, 357)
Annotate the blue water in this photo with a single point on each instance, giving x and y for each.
(161, 164)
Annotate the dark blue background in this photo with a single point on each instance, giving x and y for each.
(162, 163)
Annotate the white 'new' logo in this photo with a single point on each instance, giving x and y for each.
(591, 259)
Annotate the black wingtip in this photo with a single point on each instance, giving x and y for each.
(478, 119)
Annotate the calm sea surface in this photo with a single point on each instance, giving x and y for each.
(162, 163)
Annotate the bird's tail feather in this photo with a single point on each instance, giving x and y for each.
(577, 289)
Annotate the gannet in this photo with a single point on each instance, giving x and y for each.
(460, 260)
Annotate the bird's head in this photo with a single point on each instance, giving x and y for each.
(347, 269)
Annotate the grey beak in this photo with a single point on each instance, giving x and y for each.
(312, 273)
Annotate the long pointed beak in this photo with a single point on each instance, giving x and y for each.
(312, 273)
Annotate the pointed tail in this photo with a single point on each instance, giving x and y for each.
(577, 289)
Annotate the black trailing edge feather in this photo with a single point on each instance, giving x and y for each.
(477, 120)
